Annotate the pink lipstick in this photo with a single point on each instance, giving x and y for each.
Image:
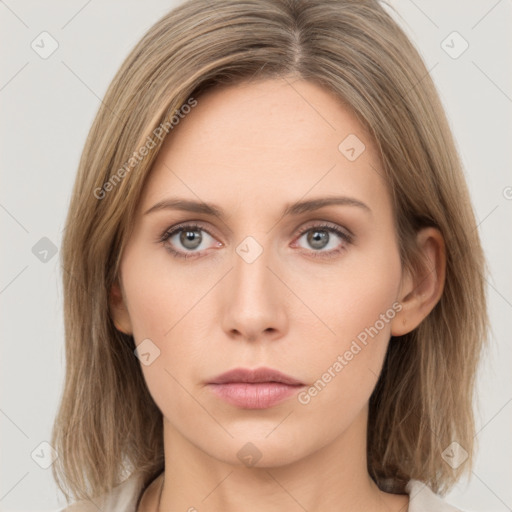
(260, 388)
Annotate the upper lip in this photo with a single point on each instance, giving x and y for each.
(255, 375)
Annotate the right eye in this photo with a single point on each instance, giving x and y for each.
(186, 240)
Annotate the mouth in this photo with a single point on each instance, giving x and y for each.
(260, 388)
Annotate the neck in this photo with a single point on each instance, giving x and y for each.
(335, 477)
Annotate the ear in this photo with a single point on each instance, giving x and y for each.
(421, 290)
(118, 310)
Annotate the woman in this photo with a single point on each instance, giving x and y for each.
(273, 280)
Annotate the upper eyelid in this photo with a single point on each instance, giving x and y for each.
(188, 224)
(319, 224)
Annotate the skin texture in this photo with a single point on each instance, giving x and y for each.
(252, 149)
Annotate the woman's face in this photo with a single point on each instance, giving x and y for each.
(264, 283)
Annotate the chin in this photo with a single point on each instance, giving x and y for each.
(259, 449)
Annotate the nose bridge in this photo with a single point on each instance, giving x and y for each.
(251, 276)
(252, 302)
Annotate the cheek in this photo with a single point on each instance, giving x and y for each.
(164, 308)
(358, 305)
(160, 294)
(354, 295)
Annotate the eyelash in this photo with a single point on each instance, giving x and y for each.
(331, 228)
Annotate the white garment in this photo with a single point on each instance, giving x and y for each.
(124, 497)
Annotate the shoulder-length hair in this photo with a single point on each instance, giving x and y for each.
(107, 425)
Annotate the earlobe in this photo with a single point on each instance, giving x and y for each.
(118, 311)
(422, 289)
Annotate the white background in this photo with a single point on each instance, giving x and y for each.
(47, 106)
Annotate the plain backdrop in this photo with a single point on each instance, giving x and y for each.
(47, 106)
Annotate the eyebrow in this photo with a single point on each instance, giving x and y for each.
(296, 208)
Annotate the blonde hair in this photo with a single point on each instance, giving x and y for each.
(107, 425)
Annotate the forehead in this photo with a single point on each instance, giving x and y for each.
(279, 112)
(265, 139)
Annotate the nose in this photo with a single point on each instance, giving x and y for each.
(253, 299)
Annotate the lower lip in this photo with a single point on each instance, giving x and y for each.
(254, 396)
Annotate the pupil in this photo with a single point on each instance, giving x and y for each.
(318, 239)
(190, 240)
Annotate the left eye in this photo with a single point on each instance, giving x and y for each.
(320, 238)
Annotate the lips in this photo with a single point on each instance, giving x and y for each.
(254, 389)
(254, 376)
